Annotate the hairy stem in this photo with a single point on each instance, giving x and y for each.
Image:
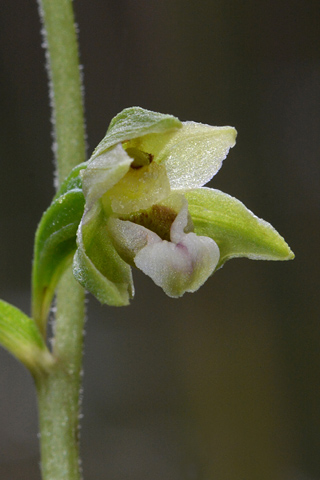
(58, 392)
(65, 84)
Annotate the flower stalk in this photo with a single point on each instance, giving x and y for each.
(58, 391)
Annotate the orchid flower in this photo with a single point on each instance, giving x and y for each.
(146, 206)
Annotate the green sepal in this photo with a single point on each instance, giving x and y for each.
(20, 335)
(55, 244)
(236, 230)
(192, 154)
(97, 266)
(133, 123)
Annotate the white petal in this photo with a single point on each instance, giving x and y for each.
(103, 172)
(129, 238)
(178, 226)
(179, 266)
(182, 267)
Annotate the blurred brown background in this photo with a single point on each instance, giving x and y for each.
(222, 384)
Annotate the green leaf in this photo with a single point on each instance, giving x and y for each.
(97, 266)
(20, 335)
(132, 123)
(236, 230)
(55, 245)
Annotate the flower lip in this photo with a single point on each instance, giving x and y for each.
(182, 264)
(178, 265)
(158, 219)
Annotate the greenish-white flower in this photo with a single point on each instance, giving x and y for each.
(146, 207)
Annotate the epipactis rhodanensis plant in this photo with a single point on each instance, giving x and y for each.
(140, 201)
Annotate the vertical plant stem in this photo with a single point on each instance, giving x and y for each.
(58, 392)
(65, 84)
